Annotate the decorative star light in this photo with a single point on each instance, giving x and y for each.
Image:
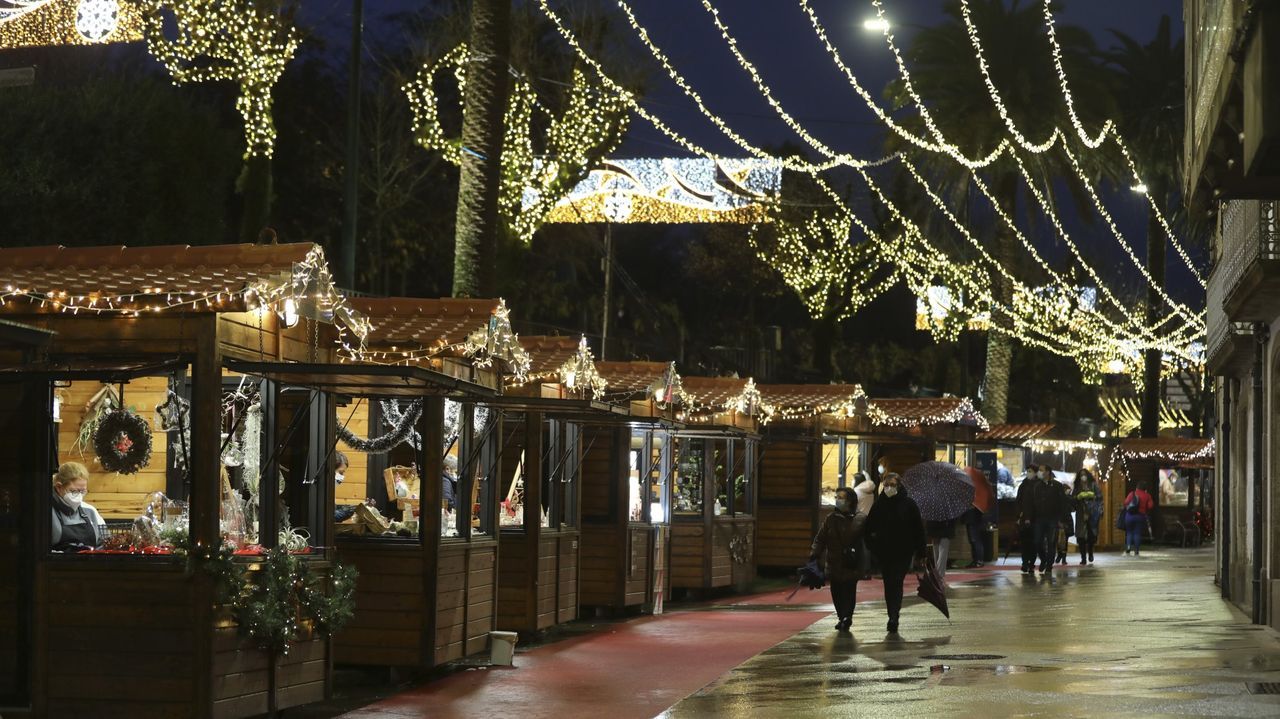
(97, 19)
(173, 412)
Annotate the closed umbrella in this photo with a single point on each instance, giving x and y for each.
(811, 576)
(931, 588)
(942, 490)
(983, 496)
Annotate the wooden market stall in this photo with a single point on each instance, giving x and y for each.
(626, 490)
(427, 550)
(811, 446)
(1175, 470)
(541, 481)
(134, 384)
(713, 509)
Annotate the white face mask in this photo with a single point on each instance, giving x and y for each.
(890, 490)
(73, 498)
(880, 468)
(338, 477)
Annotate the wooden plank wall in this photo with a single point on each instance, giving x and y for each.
(721, 565)
(744, 573)
(353, 489)
(787, 507)
(567, 576)
(515, 585)
(117, 496)
(638, 576)
(242, 677)
(465, 598)
(602, 551)
(390, 607)
(687, 547)
(125, 633)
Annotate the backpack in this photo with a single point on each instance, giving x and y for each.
(1133, 506)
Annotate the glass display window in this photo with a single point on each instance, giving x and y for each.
(1175, 487)
(840, 457)
(565, 475)
(659, 476)
(742, 475)
(722, 466)
(380, 493)
(691, 470)
(637, 470)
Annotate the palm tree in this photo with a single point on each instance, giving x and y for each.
(946, 75)
(480, 176)
(1148, 87)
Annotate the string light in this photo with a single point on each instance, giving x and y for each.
(792, 402)
(240, 41)
(35, 23)
(1127, 414)
(533, 183)
(918, 412)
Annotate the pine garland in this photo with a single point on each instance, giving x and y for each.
(381, 445)
(271, 604)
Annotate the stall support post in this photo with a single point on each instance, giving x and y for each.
(532, 511)
(431, 453)
(708, 507)
(206, 488)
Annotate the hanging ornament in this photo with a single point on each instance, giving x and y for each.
(174, 413)
(96, 20)
(392, 416)
(399, 433)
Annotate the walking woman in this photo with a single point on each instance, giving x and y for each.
(840, 540)
(1137, 506)
(1088, 496)
(895, 535)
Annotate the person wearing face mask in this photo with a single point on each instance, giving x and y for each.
(1047, 500)
(896, 536)
(340, 465)
(840, 541)
(76, 524)
(1026, 537)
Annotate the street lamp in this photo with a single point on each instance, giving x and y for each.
(1140, 188)
(877, 24)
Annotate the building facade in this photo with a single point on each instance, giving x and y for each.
(1232, 173)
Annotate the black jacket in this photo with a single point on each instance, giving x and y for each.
(1048, 500)
(895, 532)
(840, 538)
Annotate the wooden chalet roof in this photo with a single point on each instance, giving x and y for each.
(406, 329)
(213, 278)
(791, 401)
(548, 353)
(562, 359)
(632, 380)
(916, 411)
(1168, 449)
(1015, 432)
(710, 395)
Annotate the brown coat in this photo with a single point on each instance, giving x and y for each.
(840, 539)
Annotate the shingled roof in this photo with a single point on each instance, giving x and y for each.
(214, 278)
(793, 401)
(916, 411)
(712, 395)
(635, 380)
(1015, 432)
(408, 329)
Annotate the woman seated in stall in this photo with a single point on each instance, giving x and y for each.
(76, 524)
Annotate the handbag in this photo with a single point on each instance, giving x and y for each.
(1120, 518)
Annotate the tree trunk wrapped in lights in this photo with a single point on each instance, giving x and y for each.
(534, 175)
(248, 42)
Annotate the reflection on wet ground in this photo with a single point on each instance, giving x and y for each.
(1122, 638)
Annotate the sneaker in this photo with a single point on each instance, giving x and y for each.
(973, 565)
(1127, 549)
(892, 628)
(1136, 553)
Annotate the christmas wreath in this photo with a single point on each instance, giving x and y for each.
(122, 442)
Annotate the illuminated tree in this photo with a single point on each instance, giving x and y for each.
(545, 151)
(248, 42)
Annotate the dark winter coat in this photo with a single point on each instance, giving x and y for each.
(895, 532)
(1048, 500)
(840, 539)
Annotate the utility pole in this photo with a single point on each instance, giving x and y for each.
(351, 176)
(608, 286)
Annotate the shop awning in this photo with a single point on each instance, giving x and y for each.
(583, 410)
(363, 380)
(98, 368)
(15, 333)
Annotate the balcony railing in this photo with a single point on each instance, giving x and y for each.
(1249, 235)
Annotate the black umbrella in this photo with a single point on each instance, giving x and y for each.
(942, 490)
(931, 588)
(811, 576)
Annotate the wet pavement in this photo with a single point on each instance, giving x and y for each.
(1126, 637)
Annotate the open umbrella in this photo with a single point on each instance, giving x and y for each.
(983, 496)
(942, 490)
(931, 587)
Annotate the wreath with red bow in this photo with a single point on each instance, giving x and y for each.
(122, 442)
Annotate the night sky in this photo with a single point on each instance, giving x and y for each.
(777, 37)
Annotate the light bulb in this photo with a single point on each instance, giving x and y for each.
(659, 394)
(878, 24)
(290, 313)
(1140, 188)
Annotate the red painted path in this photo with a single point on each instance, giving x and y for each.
(637, 668)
